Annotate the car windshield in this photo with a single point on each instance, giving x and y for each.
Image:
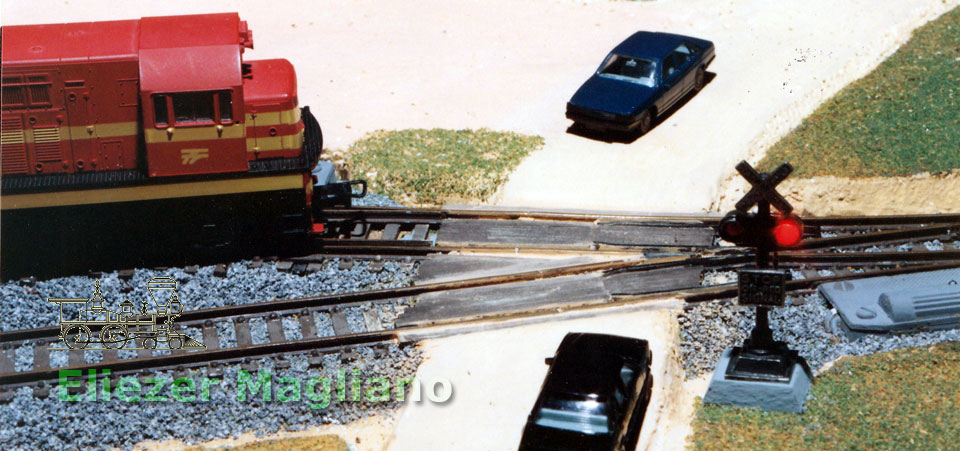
(582, 415)
(628, 68)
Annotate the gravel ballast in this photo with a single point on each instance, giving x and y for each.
(25, 306)
(376, 200)
(706, 330)
(51, 423)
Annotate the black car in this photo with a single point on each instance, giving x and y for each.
(594, 397)
(640, 79)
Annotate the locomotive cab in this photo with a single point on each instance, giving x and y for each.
(190, 87)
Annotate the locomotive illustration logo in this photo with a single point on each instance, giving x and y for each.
(98, 327)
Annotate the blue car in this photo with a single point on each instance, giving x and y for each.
(640, 79)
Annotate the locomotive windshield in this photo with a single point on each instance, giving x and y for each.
(193, 108)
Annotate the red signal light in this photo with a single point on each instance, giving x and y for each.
(788, 231)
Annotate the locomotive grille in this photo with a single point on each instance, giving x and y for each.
(47, 142)
(14, 152)
(39, 90)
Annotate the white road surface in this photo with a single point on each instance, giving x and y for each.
(512, 65)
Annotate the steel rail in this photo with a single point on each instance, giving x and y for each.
(378, 295)
(880, 237)
(192, 358)
(730, 290)
(572, 215)
(868, 257)
(328, 344)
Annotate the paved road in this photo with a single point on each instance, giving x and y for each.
(512, 65)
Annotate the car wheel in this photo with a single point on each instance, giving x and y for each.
(646, 120)
(701, 78)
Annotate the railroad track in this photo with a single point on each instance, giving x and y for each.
(421, 231)
(848, 247)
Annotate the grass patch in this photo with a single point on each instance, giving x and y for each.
(901, 119)
(905, 399)
(432, 167)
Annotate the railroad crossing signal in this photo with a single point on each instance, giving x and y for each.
(770, 232)
(762, 230)
(761, 287)
(763, 187)
(761, 358)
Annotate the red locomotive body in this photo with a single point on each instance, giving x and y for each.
(153, 133)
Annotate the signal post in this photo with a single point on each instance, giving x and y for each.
(762, 373)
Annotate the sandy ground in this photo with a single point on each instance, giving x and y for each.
(512, 65)
(373, 432)
(823, 196)
(496, 376)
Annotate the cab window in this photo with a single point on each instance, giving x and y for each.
(193, 108)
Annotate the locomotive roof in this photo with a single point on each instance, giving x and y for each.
(71, 42)
(176, 53)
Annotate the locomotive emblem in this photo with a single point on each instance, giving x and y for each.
(97, 327)
(191, 156)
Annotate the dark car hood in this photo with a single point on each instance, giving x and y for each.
(538, 438)
(613, 96)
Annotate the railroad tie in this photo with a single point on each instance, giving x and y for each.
(308, 328)
(41, 391)
(372, 321)
(75, 357)
(390, 232)
(420, 232)
(110, 355)
(340, 324)
(6, 360)
(210, 335)
(275, 329)
(242, 329)
(359, 231)
(41, 355)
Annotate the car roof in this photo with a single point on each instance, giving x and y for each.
(590, 363)
(650, 44)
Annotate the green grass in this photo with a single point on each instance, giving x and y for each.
(901, 119)
(433, 167)
(906, 399)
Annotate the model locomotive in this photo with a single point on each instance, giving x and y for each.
(128, 141)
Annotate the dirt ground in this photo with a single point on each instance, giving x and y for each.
(824, 196)
(372, 433)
